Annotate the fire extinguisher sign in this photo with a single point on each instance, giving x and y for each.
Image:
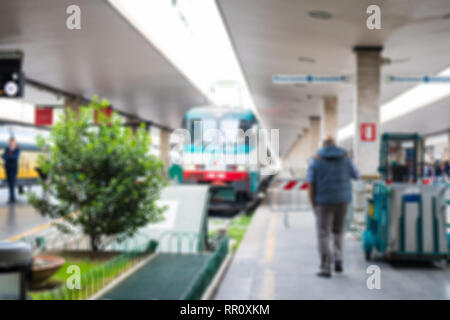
(368, 132)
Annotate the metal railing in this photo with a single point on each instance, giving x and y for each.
(199, 284)
(97, 278)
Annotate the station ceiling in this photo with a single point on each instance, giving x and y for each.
(110, 58)
(107, 57)
(280, 37)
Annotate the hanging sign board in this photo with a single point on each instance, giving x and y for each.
(43, 116)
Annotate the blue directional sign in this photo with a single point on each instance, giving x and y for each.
(311, 79)
(419, 79)
(294, 79)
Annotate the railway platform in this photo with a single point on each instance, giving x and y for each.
(19, 219)
(279, 260)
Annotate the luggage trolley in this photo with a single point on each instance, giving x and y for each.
(406, 219)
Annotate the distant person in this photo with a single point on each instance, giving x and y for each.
(11, 160)
(447, 168)
(428, 170)
(438, 173)
(329, 186)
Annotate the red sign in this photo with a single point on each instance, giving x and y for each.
(43, 116)
(106, 111)
(368, 132)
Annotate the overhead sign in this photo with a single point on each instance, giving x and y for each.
(419, 79)
(301, 78)
(368, 132)
(43, 116)
(312, 79)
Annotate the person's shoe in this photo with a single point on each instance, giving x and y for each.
(338, 266)
(324, 274)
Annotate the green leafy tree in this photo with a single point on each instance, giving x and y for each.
(100, 176)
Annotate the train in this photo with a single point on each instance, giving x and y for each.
(29, 152)
(220, 152)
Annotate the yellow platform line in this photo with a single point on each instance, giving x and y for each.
(30, 232)
(268, 285)
(36, 229)
(271, 236)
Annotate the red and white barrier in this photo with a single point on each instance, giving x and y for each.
(289, 194)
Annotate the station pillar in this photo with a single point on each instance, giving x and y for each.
(330, 123)
(366, 140)
(291, 158)
(293, 150)
(305, 150)
(72, 104)
(164, 148)
(132, 122)
(314, 135)
(297, 156)
(448, 145)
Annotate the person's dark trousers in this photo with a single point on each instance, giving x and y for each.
(330, 219)
(11, 177)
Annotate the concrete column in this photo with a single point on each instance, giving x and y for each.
(305, 149)
(296, 158)
(366, 109)
(164, 148)
(72, 104)
(314, 135)
(292, 152)
(330, 119)
(132, 122)
(448, 145)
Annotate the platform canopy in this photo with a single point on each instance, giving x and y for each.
(107, 56)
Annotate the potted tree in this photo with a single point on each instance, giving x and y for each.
(100, 175)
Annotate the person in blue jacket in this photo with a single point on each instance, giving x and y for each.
(11, 162)
(330, 192)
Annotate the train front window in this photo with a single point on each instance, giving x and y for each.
(229, 129)
(198, 129)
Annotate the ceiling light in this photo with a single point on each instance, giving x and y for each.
(318, 14)
(346, 132)
(306, 60)
(193, 37)
(438, 139)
